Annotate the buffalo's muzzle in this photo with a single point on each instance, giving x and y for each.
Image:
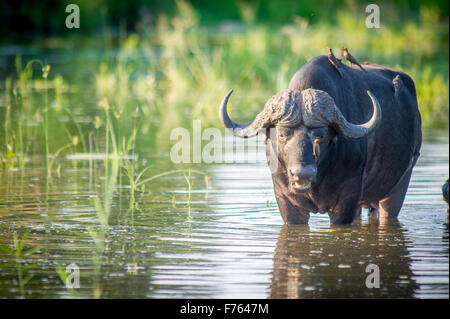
(301, 178)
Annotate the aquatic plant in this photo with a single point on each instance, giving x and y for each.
(20, 253)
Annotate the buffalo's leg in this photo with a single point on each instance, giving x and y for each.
(390, 206)
(358, 213)
(345, 213)
(374, 214)
(290, 213)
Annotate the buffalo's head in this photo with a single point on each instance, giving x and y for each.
(302, 128)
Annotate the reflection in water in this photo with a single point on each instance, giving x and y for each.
(331, 263)
(221, 239)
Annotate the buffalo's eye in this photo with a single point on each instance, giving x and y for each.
(319, 133)
(320, 136)
(283, 135)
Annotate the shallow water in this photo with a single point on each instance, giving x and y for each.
(221, 238)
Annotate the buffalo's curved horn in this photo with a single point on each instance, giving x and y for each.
(327, 112)
(354, 131)
(242, 130)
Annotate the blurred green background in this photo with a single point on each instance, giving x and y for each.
(47, 17)
(134, 70)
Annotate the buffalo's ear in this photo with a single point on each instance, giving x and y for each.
(269, 129)
(269, 132)
(332, 135)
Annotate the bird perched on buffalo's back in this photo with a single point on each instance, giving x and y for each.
(398, 85)
(351, 58)
(333, 60)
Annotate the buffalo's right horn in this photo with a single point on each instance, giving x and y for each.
(250, 129)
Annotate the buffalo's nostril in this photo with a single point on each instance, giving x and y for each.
(303, 173)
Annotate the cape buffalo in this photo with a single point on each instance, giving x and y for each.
(327, 161)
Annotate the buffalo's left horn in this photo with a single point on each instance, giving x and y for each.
(242, 130)
(354, 131)
(330, 114)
